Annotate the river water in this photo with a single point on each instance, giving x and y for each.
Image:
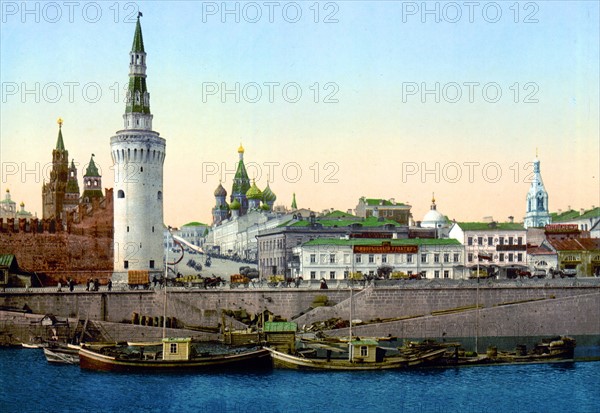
(29, 384)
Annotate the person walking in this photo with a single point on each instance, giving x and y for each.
(109, 284)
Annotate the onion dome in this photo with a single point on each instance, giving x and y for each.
(241, 149)
(268, 195)
(265, 207)
(220, 191)
(254, 192)
(235, 205)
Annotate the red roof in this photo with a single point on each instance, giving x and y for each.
(576, 244)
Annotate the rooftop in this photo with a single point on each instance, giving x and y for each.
(484, 226)
(367, 222)
(378, 241)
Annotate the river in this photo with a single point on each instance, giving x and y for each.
(30, 384)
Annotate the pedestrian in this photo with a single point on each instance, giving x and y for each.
(87, 285)
(323, 284)
(59, 286)
(109, 284)
(96, 284)
(71, 284)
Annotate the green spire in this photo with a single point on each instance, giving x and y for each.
(268, 195)
(92, 170)
(138, 40)
(294, 206)
(254, 192)
(60, 145)
(241, 182)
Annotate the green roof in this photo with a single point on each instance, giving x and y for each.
(572, 214)
(339, 214)
(365, 343)
(138, 41)
(294, 205)
(72, 186)
(280, 326)
(379, 241)
(384, 202)
(194, 224)
(254, 192)
(92, 169)
(241, 182)
(483, 226)
(268, 195)
(367, 222)
(92, 193)
(6, 260)
(60, 145)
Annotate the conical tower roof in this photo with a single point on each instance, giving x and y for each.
(60, 144)
(294, 206)
(92, 170)
(138, 40)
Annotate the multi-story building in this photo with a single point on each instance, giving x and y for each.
(581, 256)
(585, 220)
(8, 208)
(383, 208)
(335, 258)
(502, 245)
(275, 246)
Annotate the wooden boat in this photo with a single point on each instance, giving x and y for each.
(547, 351)
(177, 354)
(363, 355)
(62, 354)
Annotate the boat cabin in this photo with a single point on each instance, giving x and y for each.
(177, 348)
(366, 351)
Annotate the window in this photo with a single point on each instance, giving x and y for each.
(436, 274)
(510, 257)
(520, 256)
(456, 257)
(446, 257)
(358, 259)
(470, 241)
(500, 241)
(345, 275)
(446, 274)
(470, 257)
(364, 351)
(159, 195)
(371, 258)
(510, 240)
(409, 258)
(173, 348)
(313, 275)
(490, 240)
(424, 258)
(520, 241)
(151, 263)
(127, 228)
(125, 264)
(332, 275)
(313, 258)
(410, 272)
(120, 194)
(383, 258)
(480, 240)
(332, 258)
(436, 258)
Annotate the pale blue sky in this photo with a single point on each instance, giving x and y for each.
(369, 140)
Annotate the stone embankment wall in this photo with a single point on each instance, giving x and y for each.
(504, 309)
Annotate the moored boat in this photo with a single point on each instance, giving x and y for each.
(62, 354)
(363, 354)
(176, 354)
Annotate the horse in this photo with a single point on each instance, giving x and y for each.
(212, 282)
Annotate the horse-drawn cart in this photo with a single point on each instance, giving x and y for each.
(137, 279)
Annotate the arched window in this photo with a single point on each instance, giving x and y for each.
(121, 194)
(159, 195)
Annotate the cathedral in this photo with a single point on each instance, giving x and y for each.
(61, 193)
(244, 197)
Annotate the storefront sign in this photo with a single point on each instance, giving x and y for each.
(561, 227)
(385, 249)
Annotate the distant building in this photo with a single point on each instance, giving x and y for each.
(579, 255)
(275, 246)
(587, 221)
(336, 259)
(537, 201)
(434, 219)
(92, 183)
(53, 191)
(501, 246)
(193, 232)
(382, 208)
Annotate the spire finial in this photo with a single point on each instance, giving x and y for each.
(241, 148)
(433, 197)
(60, 122)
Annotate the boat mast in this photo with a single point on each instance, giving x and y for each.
(350, 330)
(166, 275)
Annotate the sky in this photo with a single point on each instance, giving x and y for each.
(331, 100)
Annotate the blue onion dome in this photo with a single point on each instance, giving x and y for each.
(254, 192)
(235, 205)
(220, 191)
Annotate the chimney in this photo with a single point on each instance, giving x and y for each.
(511, 219)
(559, 211)
(581, 211)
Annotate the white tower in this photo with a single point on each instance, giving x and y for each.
(537, 201)
(138, 155)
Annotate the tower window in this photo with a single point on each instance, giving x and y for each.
(141, 169)
(121, 194)
(159, 195)
(151, 263)
(125, 264)
(127, 228)
(152, 228)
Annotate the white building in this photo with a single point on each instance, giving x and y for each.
(503, 245)
(138, 155)
(537, 201)
(335, 259)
